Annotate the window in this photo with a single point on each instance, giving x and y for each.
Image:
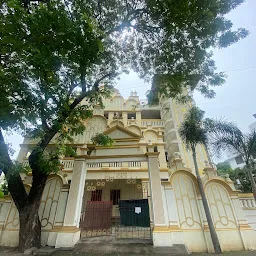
(150, 114)
(166, 156)
(239, 160)
(117, 115)
(115, 196)
(106, 115)
(131, 115)
(96, 195)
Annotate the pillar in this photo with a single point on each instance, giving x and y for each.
(161, 233)
(69, 234)
(124, 115)
(22, 153)
(138, 118)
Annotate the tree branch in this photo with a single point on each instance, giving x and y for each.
(97, 82)
(64, 114)
(127, 21)
(83, 84)
(26, 3)
(13, 178)
(72, 86)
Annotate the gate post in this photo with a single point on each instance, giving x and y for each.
(161, 233)
(69, 234)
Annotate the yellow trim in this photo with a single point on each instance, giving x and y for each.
(71, 229)
(245, 195)
(161, 229)
(10, 229)
(52, 144)
(119, 146)
(118, 170)
(150, 154)
(114, 156)
(190, 175)
(224, 184)
(245, 227)
(55, 229)
(127, 139)
(174, 228)
(124, 169)
(120, 128)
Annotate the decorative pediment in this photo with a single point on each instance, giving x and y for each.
(117, 132)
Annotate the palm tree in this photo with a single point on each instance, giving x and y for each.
(193, 133)
(228, 137)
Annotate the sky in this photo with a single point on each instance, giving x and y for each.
(236, 99)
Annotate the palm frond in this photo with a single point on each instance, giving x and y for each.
(191, 130)
(250, 141)
(226, 136)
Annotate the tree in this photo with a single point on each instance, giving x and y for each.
(193, 133)
(223, 166)
(238, 175)
(228, 137)
(242, 179)
(54, 56)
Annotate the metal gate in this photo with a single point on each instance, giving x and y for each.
(116, 207)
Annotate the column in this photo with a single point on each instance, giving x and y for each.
(124, 115)
(138, 118)
(69, 234)
(162, 158)
(161, 233)
(22, 153)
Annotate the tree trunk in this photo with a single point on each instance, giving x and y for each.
(215, 240)
(30, 227)
(252, 181)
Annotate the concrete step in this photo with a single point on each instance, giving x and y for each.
(110, 246)
(49, 250)
(113, 240)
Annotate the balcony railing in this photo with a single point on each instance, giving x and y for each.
(248, 203)
(68, 164)
(152, 123)
(127, 164)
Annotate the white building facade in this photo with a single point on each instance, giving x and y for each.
(144, 186)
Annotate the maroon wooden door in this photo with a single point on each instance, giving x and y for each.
(96, 217)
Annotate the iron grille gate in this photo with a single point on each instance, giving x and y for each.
(117, 207)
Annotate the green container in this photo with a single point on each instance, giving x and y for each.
(128, 215)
